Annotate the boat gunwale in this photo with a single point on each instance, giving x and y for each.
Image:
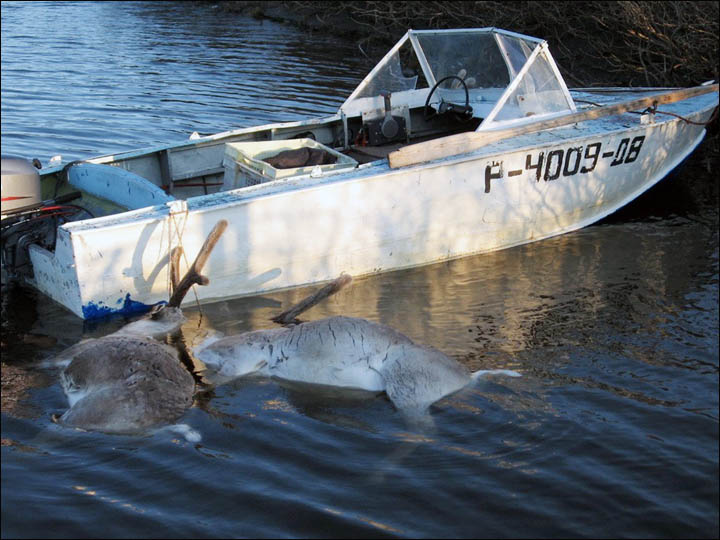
(206, 140)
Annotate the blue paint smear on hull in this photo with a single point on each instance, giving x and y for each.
(100, 310)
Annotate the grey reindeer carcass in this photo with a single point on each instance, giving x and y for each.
(128, 382)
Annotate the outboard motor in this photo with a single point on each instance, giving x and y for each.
(27, 219)
(20, 184)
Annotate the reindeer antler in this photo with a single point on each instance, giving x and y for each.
(175, 255)
(193, 275)
(290, 316)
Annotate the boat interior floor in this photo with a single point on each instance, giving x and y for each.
(366, 154)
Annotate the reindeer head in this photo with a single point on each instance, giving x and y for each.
(168, 318)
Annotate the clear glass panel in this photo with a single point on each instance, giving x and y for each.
(401, 72)
(487, 61)
(539, 92)
(517, 50)
(473, 56)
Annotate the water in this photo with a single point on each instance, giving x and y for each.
(611, 432)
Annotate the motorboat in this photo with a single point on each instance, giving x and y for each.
(458, 142)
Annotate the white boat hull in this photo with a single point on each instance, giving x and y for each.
(299, 231)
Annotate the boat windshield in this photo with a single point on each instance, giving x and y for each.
(510, 78)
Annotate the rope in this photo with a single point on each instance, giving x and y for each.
(179, 234)
(654, 110)
(713, 116)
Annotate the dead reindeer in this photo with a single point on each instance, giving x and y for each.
(345, 352)
(128, 382)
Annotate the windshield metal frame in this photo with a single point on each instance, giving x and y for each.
(540, 46)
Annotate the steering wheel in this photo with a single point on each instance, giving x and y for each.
(447, 106)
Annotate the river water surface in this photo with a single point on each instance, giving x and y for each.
(612, 431)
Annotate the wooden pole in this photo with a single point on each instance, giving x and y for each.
(474, 140)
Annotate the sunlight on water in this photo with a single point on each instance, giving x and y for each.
(145, 74)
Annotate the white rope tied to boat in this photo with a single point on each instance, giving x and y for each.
(177, 208)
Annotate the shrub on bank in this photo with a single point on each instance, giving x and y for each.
(623, 43)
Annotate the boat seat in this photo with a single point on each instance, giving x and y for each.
(117, 185)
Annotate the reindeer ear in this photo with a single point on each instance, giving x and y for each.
(156, 310)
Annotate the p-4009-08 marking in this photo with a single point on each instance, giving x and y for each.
(568, 162)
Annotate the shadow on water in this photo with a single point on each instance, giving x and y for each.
(685, 192)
